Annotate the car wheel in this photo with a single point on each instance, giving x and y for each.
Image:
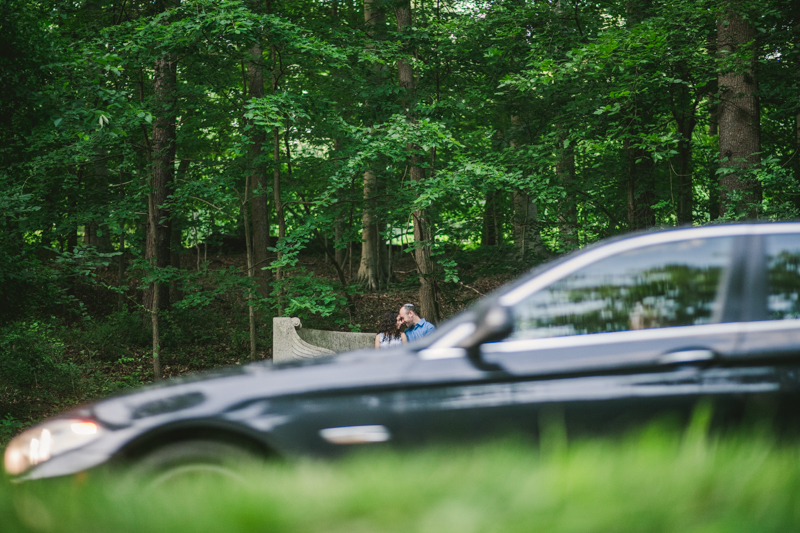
(195, 460)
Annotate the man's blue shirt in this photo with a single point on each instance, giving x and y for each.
(419, 330)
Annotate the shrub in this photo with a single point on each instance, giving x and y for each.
(107, 337)
(32, 363)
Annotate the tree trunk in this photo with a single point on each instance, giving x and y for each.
(739, 118)
(175, 244)
(527, 240)
(525, 228)
(368, 268)
(250, 273)
(71, 238)
(338, 223)
(797, 160)
(640, 187)
(684, 109)
(258, 203)
(276, 173)
(684, 187)
(157, 250)
(340, 246)
(367, 274)
(796, 157)
(422, 224)
(490, 233)
(276, 187)
(96, 233)
(568, 212)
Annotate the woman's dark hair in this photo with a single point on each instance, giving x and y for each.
(389, 326)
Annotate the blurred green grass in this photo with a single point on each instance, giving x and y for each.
(658, 480)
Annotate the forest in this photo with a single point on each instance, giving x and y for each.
(173, 174)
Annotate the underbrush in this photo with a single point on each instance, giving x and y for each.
(51, 362)
(656, 481)
(50, 365)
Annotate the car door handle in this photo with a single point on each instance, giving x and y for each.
(687, 356)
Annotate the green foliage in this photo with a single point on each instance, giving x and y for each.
(602, 114)
(773, 195)
(32, 363)
(307, 294)
(107, 338)
(9, 426)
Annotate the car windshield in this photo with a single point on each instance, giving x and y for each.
(674, 284)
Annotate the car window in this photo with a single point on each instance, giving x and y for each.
(783, 259)
(674, 284)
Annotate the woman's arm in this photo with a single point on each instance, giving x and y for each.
(377, 340)
(403, 337)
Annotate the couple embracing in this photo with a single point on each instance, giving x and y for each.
(391, 334)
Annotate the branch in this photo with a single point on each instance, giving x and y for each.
(209, 203)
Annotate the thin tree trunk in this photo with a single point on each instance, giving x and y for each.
(121, 271)
(565, 173)
(796, 156)
(155, 304)
(96, 233)
(72, 236)
(338, 223)
(250, 274)
(121, 257)
(685, 191)
(640, 187)
(175, 244)
(162, 173)
(154, 316)
(739, 117)
(797, 160)
(489, 233)
(258, 203)
(525, 230)
(276, 175)
(276, 186)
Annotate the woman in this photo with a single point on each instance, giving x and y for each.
(389, 334)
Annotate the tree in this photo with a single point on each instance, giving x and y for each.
(423, 237)
(162, 159)
(738, 113)
(369, 267)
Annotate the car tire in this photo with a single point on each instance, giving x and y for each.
(202, 460)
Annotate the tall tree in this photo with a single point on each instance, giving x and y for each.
(162, 170)
(368, 269)
(739, 113)
(423, 235)
(259, 203)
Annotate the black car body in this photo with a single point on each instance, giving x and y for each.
(615, 334)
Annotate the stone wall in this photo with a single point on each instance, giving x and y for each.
(290, 342)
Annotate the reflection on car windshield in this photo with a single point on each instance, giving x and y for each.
(666, 285)
(783, 262)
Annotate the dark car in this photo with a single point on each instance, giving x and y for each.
(616, 334)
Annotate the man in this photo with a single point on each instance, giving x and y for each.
(416, 326)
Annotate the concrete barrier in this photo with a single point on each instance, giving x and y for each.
(290, 342)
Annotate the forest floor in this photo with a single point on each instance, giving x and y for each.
(106, 350)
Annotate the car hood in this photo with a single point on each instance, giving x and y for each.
(211, 393)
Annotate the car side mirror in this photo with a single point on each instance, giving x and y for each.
(495, 324)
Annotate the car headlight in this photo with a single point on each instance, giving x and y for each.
(42, 442)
